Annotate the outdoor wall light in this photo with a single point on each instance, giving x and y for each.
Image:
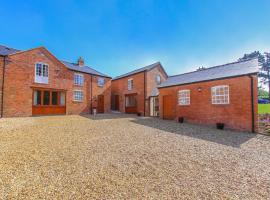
(199, 89)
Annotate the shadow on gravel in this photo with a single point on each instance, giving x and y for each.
(109, 116)
(225, 137)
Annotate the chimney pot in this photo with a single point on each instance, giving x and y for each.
(81, 62)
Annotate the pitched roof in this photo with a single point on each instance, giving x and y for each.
(4, 50)
(147, 68)
(85, 69)
(212, 73)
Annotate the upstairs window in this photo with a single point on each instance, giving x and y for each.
(183, 97)
(78, 79)
(130, 84)
(220, 94)
(78, 95)
(158, 79)
(101, 82)
(41, 73)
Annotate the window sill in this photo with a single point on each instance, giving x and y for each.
(77, 101)
(78, 85)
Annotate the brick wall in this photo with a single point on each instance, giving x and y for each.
(1, 80)
(151, 84)
(19, 81)
(236, 115)
(120, 87)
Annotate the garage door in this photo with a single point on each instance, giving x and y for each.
(48, 102)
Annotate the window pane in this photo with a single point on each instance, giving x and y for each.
(37, 97)
(46, 98)
(62, 98)
(54, 98)
(101, 82)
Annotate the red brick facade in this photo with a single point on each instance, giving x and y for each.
(235, 115)
(143, 84)
(19, 83)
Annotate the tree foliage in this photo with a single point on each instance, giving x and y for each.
(264, 64)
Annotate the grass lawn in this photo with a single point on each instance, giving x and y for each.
(264, 108)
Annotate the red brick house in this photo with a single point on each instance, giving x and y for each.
(136, 91)
(222, 94)
(35, 82)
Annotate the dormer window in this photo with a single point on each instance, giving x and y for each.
(41, 73)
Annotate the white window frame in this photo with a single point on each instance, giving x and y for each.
(184, 97)
(220, 99)
(80, 80)
(99, 82)
(158, 79)
(44, 77)
(75, 97)
(130, 84)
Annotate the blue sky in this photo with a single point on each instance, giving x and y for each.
(117, 36)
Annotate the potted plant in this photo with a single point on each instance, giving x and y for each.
(220, 126)
(181, 120)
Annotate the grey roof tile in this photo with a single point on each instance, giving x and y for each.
(4, 50)
(222, 71)
(147, 68)
(85, 69)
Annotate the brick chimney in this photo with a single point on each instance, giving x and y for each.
(81, 62)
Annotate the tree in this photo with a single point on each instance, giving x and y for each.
(264, 64)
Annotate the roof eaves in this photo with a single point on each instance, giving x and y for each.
(206, 80)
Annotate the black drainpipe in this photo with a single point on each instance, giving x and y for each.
(3, 81)
(252, 103)
(91, 94)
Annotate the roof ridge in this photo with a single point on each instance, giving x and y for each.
(131, 72)
(216, 66)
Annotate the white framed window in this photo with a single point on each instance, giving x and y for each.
(183, 97)
(130, 84)
(41, 73)
(78, 95)
(101, 81)
(158, 79)
(78, 79)
(220, 94)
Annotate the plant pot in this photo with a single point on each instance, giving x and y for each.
(139, 114)
(220, 126)
(181, 120)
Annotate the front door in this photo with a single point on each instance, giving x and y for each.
(48, 102)
(154, 107)
(100, 107)
(168, 112)
(116, 101)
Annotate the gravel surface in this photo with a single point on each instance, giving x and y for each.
(126, 157)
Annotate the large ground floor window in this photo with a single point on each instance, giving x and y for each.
(49, 98)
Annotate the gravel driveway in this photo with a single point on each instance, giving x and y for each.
(126, 157)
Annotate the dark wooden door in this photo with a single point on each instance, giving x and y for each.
(116, 101)
(100, 107)
(168, 112)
